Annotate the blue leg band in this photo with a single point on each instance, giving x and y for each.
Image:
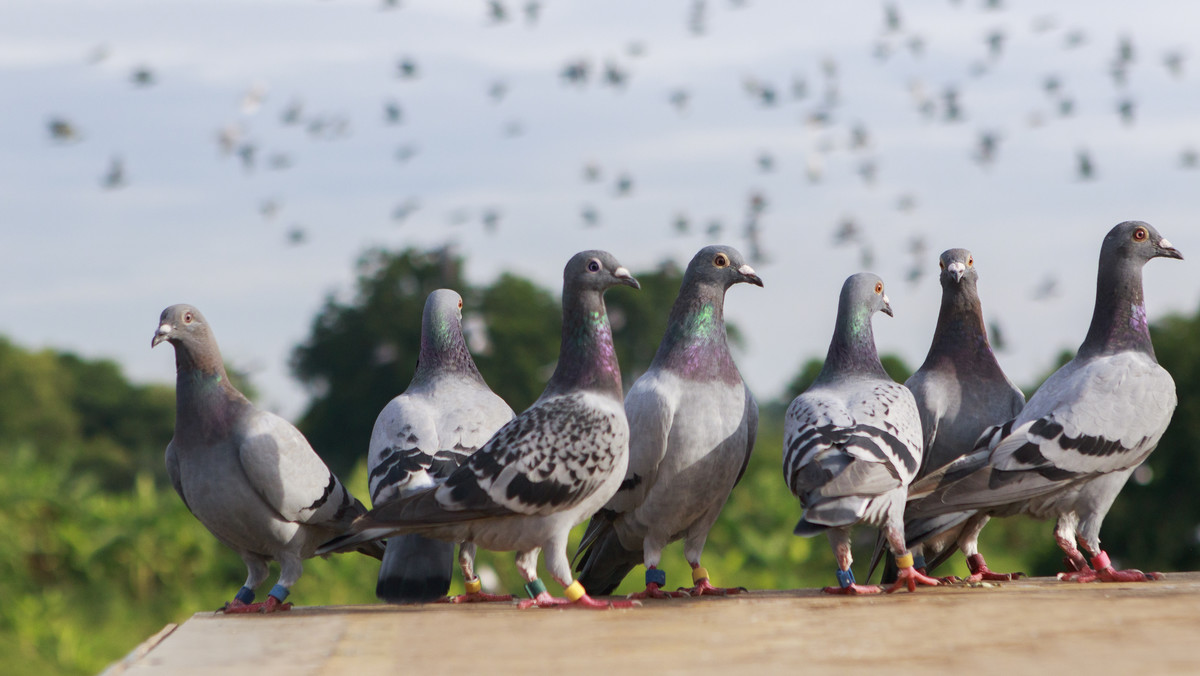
(245, 595)
(534, 588)
(656, 576)
(845, 578)
(919, 561)
(279, 592)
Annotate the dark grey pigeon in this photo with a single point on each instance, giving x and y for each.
(852, 441)
(419, 438)
(1069, 452)
(692, 423)
(960, 391)
(548, 469)
(248, 475)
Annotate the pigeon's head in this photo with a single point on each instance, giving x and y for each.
(865, 291)
(956, 265)
(596, 270)
(443, 307)
(181, 324)
(721, 265)
(1137, 241)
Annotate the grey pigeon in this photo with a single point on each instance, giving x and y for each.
(548, 469)
(692, 423)
(852, 441)
(960, 391)
(1088, 427)
(248, 475)
(419, 438)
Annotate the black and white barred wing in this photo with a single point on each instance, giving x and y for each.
(404, 443)
(548, 459)
(1104, 416)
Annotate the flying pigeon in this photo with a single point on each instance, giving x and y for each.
(419, 438)
(248, 475)
(852, 441)
(960, 391)
(548, 469)
(692, 424)
(1088, 427)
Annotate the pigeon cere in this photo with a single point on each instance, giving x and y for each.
(555, 307)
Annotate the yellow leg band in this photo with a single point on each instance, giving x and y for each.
(699, 573)
(474, 586)
(905, 561)
(575, 591)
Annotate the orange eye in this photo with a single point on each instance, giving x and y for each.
(878, 287)
(971, 261)
(459, 303)
(187, 318)
(721, 260)
(1140, 235)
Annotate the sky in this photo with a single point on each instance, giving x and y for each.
(827, 111)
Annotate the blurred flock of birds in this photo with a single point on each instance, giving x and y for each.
(818, 100)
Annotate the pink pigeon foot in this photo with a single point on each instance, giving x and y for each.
(704, 588)
(1104, 572)
(545, 600)
(980, 571)
(853, 590)
(653, 591)
(910, 577)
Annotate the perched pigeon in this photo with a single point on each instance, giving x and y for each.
(422, 436)
(960, 391)
(247, 474)
(1087, 428)
(548, 469)
(852, 441)
(692, 423)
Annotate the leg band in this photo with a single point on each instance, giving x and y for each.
(1101, 561)
(699, 573)
(656, 576)
(905, 561)
(575, 591)
(534, 588)
(245, 595)
(845, 578)
(280, 592)
(473, 586)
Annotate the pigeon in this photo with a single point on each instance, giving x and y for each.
(852, 441)
(1082, 434)
(248, 475)
(960, 391)
(419, 438)
(547, 470)
(692, 424)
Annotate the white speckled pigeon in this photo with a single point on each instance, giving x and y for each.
(1069, 452)
(548, 469)
(692, 423)
(852, 441)
(960, 391)
(419, 438)
(248, 475)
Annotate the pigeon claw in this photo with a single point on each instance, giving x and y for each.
(545, 600)
(1110, 574)
(910, 577)
(980, 571)
(705, 588)
(479, 597)
(854, 590)
(653, 591)
(271, 605)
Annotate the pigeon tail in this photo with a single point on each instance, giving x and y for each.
(603, 560)
(415, 569)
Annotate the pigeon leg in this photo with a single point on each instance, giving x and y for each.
(968, 542)
(656, 579)
(907, 575)
(560, 569)
(839, 539)
(1104, 572)
(701, 585)
(243, 601)
(1064, 534)
(466, 561)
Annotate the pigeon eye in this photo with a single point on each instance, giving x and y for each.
(721, 260)
(593, 265)
(459, 303)
(187, 318)
(971, 262)
(1140, 235)
(878, 287)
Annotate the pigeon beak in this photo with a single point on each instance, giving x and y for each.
(957, 270)
(887, 306)
(623, 277)
(1164, 249)
(161, 334)
(748, 275)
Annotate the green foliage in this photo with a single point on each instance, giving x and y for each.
(523, 325)
(893, 364)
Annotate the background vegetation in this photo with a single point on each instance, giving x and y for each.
(101, 553)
